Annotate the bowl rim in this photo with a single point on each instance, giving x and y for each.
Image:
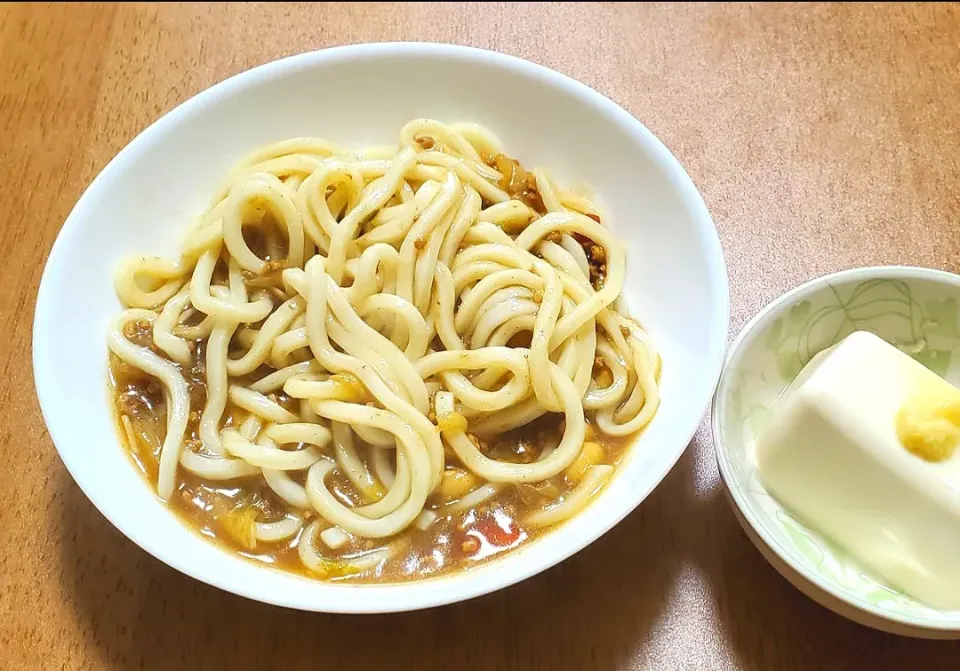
(419, 593)
(770, 310)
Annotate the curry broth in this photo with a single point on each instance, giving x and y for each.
(219, 511)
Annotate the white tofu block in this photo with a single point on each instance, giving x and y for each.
(831, 455)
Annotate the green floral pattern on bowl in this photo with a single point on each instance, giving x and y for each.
(919, 316)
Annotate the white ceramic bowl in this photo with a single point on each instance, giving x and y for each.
(362, 95)
(914, 308)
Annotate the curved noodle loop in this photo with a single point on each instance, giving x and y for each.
(350, 339)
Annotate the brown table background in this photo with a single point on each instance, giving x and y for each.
(822, 137)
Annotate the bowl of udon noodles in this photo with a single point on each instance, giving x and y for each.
(380, 327)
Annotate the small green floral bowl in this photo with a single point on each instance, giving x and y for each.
(915, 309)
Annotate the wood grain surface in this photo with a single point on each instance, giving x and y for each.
(822, 137)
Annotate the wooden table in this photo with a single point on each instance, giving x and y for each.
(822, 137)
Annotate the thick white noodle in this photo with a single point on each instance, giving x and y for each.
(281, 530)
(574, 501)
(176, 392)
(359, 313)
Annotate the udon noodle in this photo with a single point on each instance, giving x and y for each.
(358, 355)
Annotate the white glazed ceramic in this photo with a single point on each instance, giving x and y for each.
(913, 308)
(362, 95)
